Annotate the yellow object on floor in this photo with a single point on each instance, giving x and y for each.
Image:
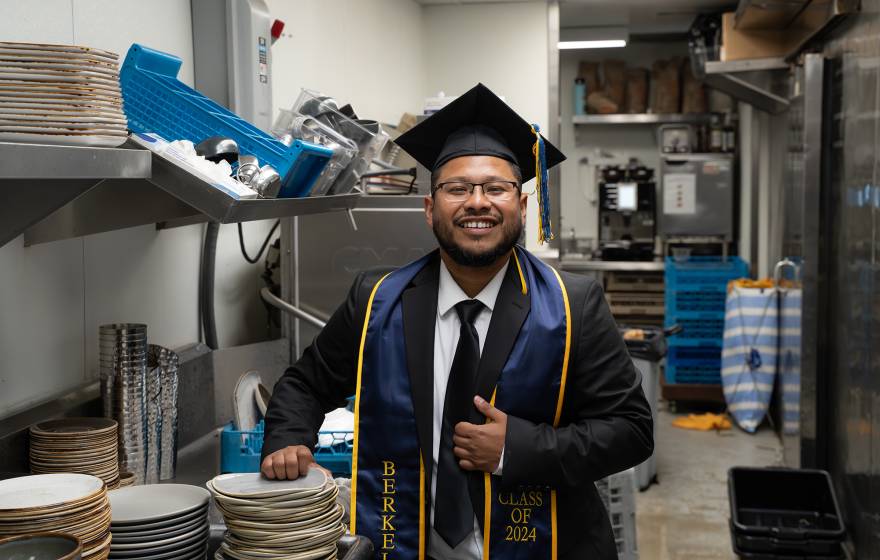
(704, 422)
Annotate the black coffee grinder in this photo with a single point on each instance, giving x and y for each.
(627, 212)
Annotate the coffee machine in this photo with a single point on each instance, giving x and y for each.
(627, 212)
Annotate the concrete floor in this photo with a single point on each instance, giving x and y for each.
(685, 516)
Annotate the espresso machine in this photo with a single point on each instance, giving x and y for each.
(627, 212)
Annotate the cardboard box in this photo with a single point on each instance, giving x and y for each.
(739, 44)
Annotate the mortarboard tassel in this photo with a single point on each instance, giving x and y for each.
(542, 187)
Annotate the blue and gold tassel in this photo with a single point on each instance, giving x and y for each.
(542, 187)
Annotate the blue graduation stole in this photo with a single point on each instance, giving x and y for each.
(388, 474)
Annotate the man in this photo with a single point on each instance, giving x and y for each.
(491, 391)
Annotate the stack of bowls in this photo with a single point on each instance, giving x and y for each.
(125, 479)
(71, 503)
(41, 546)
(123, 367)
(76, 445)
(284, 519)
(160, 522)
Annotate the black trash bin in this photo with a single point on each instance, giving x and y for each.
(646, 352)
(778, 513)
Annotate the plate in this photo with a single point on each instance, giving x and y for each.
(327, 492)
(55, 48)
(64, 140)
(247, 415)
(164, 542)
(252, 554)
(253, 485)
(84, 425)
(162, 532)
(55, 86)
(162, 525)
(263, 397)
(12, 125)
(64, 130)
(59, 97)
(41, 75)
(12, 103)
(71, 116)
(14, 57)
(107, 72)
(139, 504)
(47, 490)
(241, 524)
(200, 546)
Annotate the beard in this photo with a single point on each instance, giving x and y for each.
(511, 233)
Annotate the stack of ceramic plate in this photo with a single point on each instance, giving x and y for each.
(60, 94)
(64, 503)
(123, 368)
(160, 522)
(77, 445)
(283, 519)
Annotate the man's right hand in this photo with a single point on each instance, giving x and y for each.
(288, 464)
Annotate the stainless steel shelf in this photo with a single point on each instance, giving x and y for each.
(36, 180)
(751, 65)
(761, 82)
(59, 192)
(642, 118)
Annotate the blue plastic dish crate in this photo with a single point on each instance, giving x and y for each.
(154, 100)
(240, 451)
(699, 365)
(695, 298)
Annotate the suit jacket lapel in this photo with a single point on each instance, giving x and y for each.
(419, 303)
(511, 309)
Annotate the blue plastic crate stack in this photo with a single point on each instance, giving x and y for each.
(696, 291)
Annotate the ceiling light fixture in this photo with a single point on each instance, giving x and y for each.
(601, 37)
(606, 44)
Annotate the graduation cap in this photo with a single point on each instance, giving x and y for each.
(479, 123)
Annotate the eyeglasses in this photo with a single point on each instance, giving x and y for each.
(459, 191)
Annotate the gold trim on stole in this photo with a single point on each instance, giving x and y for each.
(487, 513)
(352, 522)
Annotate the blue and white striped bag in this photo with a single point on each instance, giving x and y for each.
(790, 359)
(749, 354)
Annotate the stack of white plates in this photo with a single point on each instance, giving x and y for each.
(160, 522)
(77, 445)
(283, 519)
(59, 503)
(60, 94)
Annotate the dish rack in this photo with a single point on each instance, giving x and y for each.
(154, 100)
(240, 450)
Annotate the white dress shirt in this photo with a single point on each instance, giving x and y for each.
(446, 331)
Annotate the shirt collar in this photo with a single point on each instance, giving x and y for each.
(450, 293)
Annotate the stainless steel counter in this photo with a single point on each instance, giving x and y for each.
(588, 265)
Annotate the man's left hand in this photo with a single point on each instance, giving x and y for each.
(479, 447)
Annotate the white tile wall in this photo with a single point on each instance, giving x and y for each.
(383, 56)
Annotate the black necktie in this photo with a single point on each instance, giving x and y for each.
(453, 512)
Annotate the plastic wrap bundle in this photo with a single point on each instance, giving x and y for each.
(123, 368)
(166, 364)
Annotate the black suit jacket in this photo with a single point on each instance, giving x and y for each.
(605, 427)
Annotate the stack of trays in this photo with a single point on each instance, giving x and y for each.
(160, 522)
(60, 94)
(76, 445)
(123, 368)
(76, 504)
(283, 520)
